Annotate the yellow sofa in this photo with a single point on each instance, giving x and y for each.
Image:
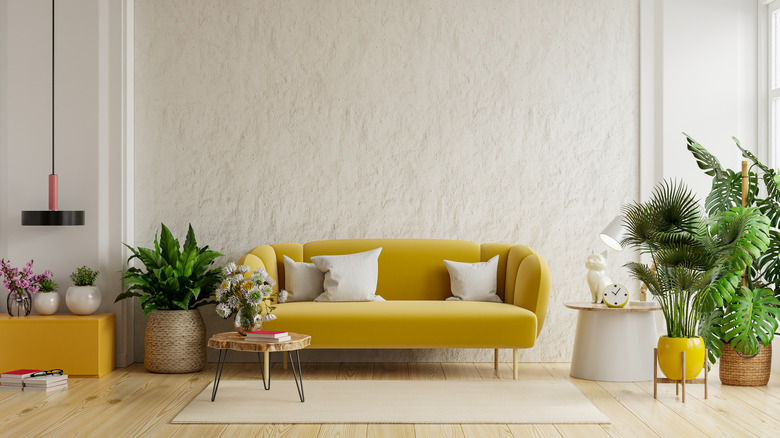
(415, 282)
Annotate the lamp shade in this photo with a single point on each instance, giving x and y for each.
(614, 233)
(52, 217)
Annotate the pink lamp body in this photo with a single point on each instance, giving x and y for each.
(53, 192)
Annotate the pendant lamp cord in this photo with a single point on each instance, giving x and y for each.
(52, 87)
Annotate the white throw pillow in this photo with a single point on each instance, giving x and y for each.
(473, 281)
(302, 281)
(350, 277)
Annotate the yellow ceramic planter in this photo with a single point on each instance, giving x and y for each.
(669, 356)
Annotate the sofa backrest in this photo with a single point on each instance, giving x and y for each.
(409, 269)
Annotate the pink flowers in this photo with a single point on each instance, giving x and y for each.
(16, 281)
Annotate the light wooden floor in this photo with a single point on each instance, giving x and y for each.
(130, 402)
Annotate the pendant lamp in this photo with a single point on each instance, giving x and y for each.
(53, 216)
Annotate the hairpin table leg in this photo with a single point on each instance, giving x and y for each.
(299, 375)
(218, 373)
(265, 369)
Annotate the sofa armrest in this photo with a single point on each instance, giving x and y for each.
(262, 256)
(529, 273)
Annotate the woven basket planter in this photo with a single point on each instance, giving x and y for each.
(175, 342)
(736, 370)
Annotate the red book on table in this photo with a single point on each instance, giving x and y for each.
(18, 374)
(268, 334)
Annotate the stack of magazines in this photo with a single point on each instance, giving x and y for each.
(33, 380)
(267, 336)
(46, 383)
(14, 380)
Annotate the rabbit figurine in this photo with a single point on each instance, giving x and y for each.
(597, 276)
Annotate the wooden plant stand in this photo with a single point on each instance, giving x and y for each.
(677, 383)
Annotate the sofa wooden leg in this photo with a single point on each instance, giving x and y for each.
(284, 361)
(495, 359)
(514, 363)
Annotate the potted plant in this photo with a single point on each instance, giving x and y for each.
(47, 300)
(83, 297)
(743, 329)
(22, 285)
(696, 261)
(173, 283)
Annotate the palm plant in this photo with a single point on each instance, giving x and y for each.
(751, 318)
(697, 262)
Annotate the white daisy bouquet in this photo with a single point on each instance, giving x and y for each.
(246, 291)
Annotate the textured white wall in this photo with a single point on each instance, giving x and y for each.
(510, 121)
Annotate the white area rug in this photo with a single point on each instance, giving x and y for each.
(393, 401)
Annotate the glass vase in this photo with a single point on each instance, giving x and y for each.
(248, 319)
(19, 303)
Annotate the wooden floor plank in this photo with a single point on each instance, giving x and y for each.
(390, 431)
(355, 371)
(343, 430)
(526, 371)
(654, 413)
(460, 371)
(486, 430)
(438, 431)
(722, 410)
(85, 396)
(391, 371)
(132, 402)
(534, 430)
(270, 430)
(198, 430)
(320, 370)
(581, 430)
(425, 371)
(624, 422)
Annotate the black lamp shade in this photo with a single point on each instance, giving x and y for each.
(52, 217)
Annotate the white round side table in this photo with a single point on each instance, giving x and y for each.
(614, 344)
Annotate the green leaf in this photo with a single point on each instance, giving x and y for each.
(710, 331)
(751, 318)
(125, 295)
(190, 241)
(705, 160)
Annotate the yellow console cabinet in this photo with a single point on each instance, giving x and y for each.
(82, 346)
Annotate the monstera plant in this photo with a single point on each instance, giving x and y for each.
(750, 319)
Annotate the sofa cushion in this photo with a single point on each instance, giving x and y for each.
(473, 281)
(409, 269)
(303, 280)
(349, 277)
(408, 324)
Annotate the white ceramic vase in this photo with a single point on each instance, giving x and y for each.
(83, 300)
(46, 303)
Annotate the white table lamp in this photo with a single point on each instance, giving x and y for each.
(614, 233)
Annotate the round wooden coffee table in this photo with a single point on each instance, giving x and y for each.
(227, 341)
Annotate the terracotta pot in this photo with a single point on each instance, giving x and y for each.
(175, 342)
(670, 356)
